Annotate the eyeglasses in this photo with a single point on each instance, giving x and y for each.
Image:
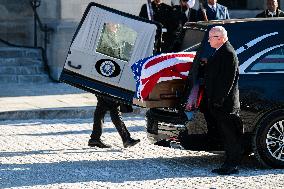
(213, 36)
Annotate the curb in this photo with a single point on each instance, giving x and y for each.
(60, 113)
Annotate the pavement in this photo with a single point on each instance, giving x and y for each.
(53, 154)
(45, 101)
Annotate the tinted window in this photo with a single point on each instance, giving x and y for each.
(117, 41)
(272, 62)
(234, 4)
(192, 40)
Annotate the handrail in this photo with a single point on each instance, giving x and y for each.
(43, 28)
(8, 43)
(35, 4)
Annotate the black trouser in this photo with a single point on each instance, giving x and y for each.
(211, 122)
(103, 106)
(231, 129)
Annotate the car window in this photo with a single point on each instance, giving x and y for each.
(192, 40)
(274, 61)
(117, 41)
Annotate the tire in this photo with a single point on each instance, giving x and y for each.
(268, 140)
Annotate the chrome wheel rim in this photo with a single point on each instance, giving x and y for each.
(275, 140)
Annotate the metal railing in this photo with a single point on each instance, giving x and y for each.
(37, 22)
(43, 28)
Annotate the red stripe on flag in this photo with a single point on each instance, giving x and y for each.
(166, 57)
(172, 71)
(149, 85)
(180, 67)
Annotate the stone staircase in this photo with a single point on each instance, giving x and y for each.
(22, 66)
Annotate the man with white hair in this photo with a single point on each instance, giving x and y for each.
(271, 11)
(222, 95)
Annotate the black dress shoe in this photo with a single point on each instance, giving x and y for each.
(226, 170)
(130, 142)
(97, 143)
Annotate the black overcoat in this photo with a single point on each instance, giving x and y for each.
(264, 14)
(162, 13)
(221, 78)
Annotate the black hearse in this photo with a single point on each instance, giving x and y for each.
(260, 47)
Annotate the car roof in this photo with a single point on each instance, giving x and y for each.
(205, 24)
(251, 37)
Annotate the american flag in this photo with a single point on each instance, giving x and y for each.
(154, 69)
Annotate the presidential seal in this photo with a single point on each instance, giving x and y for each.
(107, 68)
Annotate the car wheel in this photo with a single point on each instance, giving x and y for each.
(268, 141)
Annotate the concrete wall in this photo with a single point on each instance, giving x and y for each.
(15, 20)
(73, 9)
(58, 48)
(12, 9)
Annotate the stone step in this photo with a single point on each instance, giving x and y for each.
(13, 52)
(36, 78)
(18, 61)
(22, 70)
(22, 65)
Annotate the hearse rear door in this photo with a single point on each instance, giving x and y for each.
(107, 42)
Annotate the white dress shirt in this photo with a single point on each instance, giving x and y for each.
(213, 7)
(272, 14)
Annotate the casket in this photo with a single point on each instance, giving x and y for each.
(166, 94)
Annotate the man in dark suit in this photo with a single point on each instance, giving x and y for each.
(162, 13)
(271, 11)
(182, 13)
(114, 109)
(212, 11)
(222, 93)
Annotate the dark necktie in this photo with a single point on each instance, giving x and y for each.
(213, 9)
(188, 15)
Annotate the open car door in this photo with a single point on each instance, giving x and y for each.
(106, 43)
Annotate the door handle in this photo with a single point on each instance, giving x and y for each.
(72, 66)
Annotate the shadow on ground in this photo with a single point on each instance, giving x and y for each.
(115, 171)
(71, 120)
